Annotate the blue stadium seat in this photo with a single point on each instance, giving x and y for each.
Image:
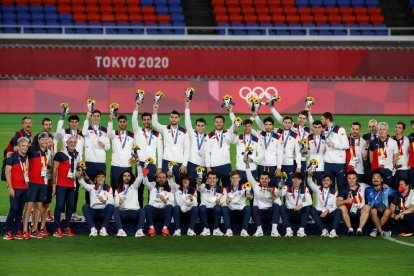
(152, 31)
(177, 2)
(20, 8)
(36, 8)
(329, 3)
(177, 17)
(11, 22)
(51, 16)
(358, 3)
(37, 16)
(25, 22)
(344, 3)
(176, 9)
(96, 31)
(146, 3)
(11, 30)
(124, 31)
(339, 32)
(178, 23)
(161, 9)
(315, 3)
(66, 22)
(38, 22)
(50, 9)
(23, 15)
(52, 22)
(372, 3)
(54, 31)
(166, 31)
(9, 16)
(11, 8)
(302, 3)
(297, 31)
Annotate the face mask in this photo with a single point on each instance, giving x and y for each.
(401, 189)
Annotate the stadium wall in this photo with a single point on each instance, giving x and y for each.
(339, 97)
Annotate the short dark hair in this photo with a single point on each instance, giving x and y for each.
(265, 173)
(220, 117)
(100, 172)
(97, 111)
(26, 117)
(120, 117)
(211, 173)
(201, 120)
(175, 112)
(351, 173)
(43, 135)
(234, 173)
(327, 175)
(268, 119)
(297, 175)
(247, 122)
(328, 115)
(412, 122)
(184, 176)
(287, 117)
(305, 113)
(356, 124)
(73, 117)
(406, 181)
(146, 114)
(401, 123)
(46, 120)
(317, 123)
(377, 172)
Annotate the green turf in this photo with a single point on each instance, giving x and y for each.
(207, 255)
(9, 123)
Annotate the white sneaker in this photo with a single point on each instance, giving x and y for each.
(229, 233)
(103, 232)
(217, 232)
(333, 234)
(301, 233)
(93, 232)
(191, 233)
(139, 234)
(373, 233)
(258, 233)
(386, 233)
(206, 232)
(289, 232)
(177, 233)
(75, 217)
(275, 233)
(121, 233)
(244, 233)
(325, 233)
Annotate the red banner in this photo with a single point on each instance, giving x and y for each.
(44, 96)
(207, 62)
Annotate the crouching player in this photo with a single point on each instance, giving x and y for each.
(210, 206)
(352, 204)
(235, 205)
(101, 204)
(402, 209)
(325, 206)
(160, 205)
(127, 206)
(186, 204)
(298, 202)
(264, 206)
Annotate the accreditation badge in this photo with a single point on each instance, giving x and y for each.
(26, 177)
(381, 161)
(70, 175)
(43, 172)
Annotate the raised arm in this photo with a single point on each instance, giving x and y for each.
(110, 130)
(160, 151)
(250, 178)
(155, 124)
(148, 184)
(312, 184)
(134, 120)
(85, 131)
(139, 178)
(276, 114)
(187, 118)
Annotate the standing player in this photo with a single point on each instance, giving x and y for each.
(176, 143)
(17, 166)
(354, 155)
(336, 145)
(403, 143)
(383, 153)
(122, 143)
(218, 151)
(64, 135)
(411, 157)
(46, 127)
(151, 145)
(38, 179)
(317, 148)
(96, 145)
(368, 137)
(197, 138)
(64, 185)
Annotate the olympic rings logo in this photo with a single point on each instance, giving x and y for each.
(258, 92)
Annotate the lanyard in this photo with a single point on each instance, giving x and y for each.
(43, 159)
(283, 138)
(244, 140)
(24, 165)
(267, 141)
(72, 162)
(221, 139)
(302, 134)
(146, 137)
(327, 198)
(74, 133)
(356, 197)
(330, 131)
(174, 135)
(126, 190)
(123, 141)
(382, 151)
(319, 143)
(297, 199)
(96, 132)
(378, 194)
(100, 189)
(400, 145)
(200, 141)
(184, 191)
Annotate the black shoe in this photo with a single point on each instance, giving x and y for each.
(350, 232)
(359, 233)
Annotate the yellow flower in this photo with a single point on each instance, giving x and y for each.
(149, 160)
(114, 106)
(190, 90)
(238, 120)
(172, 163)
(91, 101)
(282, 175)
(256, 100)
(310, 99)
(200, 169)
(65, 105)
(314, 162)
(227, 97)
(304, 142)
(249, 149)
(251, 99)
(159, 93)
(136, 147)
(140, 91)
(247, 185)
(82, 165)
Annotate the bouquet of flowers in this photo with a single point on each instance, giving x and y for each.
(158, 96)
(227, 101)
(309, 101)
(171, 165)
(139, 95)
(113, 109)
(65, 109)
(200, 172)
(254, 104)
(313, 165)
(134, 152)
(238, 121)
(81, 166)
(282, 177)
(189, 93)
(274, 98)
(91, 104)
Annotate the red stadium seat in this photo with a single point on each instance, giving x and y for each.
(64, 9)
(63, 2)
(93, 17)
(135, 18)
(132, 2)
(236, 18)
(232, 2)
(221, 2)
(262, 10)
(150, 18)
(134, 9)
(120, 9)
(77, 2)
(248, 10)
(290, 10)
(35, 2)
(91, 2)
(321, 18)
(318, 10)
(348, 18)
(278, 18)
(306, 18)
(21, 2)
(8, 2)
(346, 10)
(79, 17)
(148, 10)
(92, 8)
(334, 18)
(250, 19)
(107, 17)
(374, 10)
(106, 8)
(274, 2)
(276, 9)
(260, 3)
(219, 9)
(305, 10)
(78, 9)
(360, 10)
(49, 2)
(288, 2)
(264, 18)
(292, 18)
(163, 18)
(234, 10)
(362, 18)
(105, 2)
(247, 2)
(377, 19)
(121, 17)
(222, 18)
(334, 10)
